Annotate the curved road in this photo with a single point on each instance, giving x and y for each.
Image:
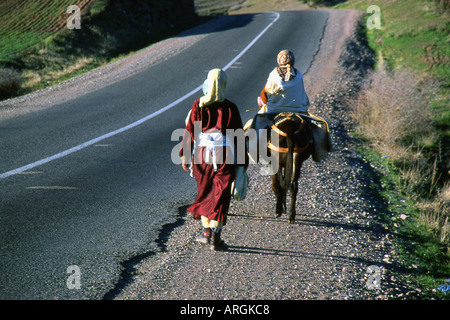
(100, 202)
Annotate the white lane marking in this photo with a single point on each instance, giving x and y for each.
(51, 188)
(134, 124)
(30, 172)
(103, 145)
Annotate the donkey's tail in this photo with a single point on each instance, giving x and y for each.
(289, 164)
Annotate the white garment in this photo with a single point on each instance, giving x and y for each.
(285, 96)
(210, 141)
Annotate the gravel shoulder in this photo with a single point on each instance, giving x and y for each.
(337, 235)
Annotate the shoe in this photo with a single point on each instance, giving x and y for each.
(205, 237)
(217, 244)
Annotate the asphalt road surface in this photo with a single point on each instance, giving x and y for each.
(73, 207)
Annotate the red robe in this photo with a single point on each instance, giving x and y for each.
(213, 187)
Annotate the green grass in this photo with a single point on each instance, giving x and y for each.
(27, 23)
(413, 34)
(98, 7)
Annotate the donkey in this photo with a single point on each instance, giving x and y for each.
(293, 146)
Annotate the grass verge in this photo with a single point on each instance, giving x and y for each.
(403, 118)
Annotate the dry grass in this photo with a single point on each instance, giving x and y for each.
(31, 79)
(255, 6)
(78, 64)
(435, 214)
(394, 107)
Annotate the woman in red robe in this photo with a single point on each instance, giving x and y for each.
(213, 161)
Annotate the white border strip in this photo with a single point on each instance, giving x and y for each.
(134, 124)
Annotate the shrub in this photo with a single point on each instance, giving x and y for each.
(10, 82)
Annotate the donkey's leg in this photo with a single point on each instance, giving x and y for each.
(278, 191)
(277, 188)
(294, 187)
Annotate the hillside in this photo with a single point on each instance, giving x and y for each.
(27, 23)
(37, 49)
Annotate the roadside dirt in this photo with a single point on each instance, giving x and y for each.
(338, 243)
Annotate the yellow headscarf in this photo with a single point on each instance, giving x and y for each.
(215, 87)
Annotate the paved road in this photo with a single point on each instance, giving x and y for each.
(107, 202)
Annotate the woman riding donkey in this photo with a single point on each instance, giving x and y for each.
(284, 91)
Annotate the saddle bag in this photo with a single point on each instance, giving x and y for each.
(240, 184)
(322, 141)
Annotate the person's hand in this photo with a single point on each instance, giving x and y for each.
(260, 102)
(183, 164)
